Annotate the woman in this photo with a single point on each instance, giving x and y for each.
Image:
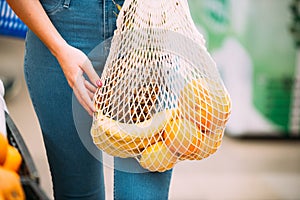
(62, 33)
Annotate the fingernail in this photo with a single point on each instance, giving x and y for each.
(99, 83)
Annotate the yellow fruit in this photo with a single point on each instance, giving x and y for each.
(126, 131)
(208, 146)
(10, 185)
(102, 143)
(195, 103)
(112, 151)
(182, 136)
(123, 147)
(3, 148)
(137, 143)
(130, 138)
(211, 142)
(157, 157)
(134, 148)
(13, 159)
(205, 103)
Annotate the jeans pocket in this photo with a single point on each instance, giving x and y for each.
(53, 6)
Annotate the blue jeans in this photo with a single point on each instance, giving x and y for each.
(76, 172)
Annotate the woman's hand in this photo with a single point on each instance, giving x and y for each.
(73, 61)
(75, 64)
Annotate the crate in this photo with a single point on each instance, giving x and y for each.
(10, 24)
(32, 190)
(28, 172)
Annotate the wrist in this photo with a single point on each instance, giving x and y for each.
(57, 47)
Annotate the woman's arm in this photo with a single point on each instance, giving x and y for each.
(72, 61)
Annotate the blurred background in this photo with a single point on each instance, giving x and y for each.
(255, 45)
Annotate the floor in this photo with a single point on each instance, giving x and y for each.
(240, 170)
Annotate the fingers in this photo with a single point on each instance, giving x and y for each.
(83, 94)
(91, 95)
(84, 90)
(83, 103)
(88, 68)
(89, 86)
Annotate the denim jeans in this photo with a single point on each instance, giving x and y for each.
(76, 173)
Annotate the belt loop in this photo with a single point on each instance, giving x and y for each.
(66, 3)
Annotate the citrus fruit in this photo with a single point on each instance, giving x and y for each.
(211, 141)
(182, 136)
(3, 148)
(195, 103)
(205, 103)
(157, 157)
(221, 105)
(209, 145)
(13, 159)
(10, 185)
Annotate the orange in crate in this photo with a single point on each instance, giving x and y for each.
(13, 159)
(3, 148)
(10, 185)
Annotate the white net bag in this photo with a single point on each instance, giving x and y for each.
(162, 99)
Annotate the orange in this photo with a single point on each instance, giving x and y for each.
(181, 136)
(195, 103)
(221, 105)
(13, 159)
(3, 148)
(157, 157)
(209, 145)
(221, 110)
(10, 185)
(212, 141)
(205, 103)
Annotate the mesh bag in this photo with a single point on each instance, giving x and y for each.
(162, 99)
